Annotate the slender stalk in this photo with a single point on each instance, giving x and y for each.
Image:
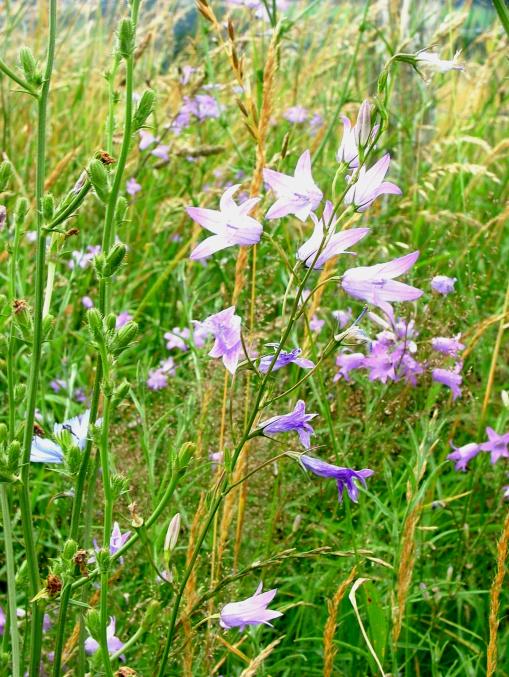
(33, 382)
(17, 79)
(11, 580)
(503, 14)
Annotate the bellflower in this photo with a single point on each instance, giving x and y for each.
(463, 455)
(132, 186)
(283, 359)
(447, 346)
(346, 478)
(231, 225)
(316, 324)
(496, 445)
(146, 139)
(376, 284)
(114, 643)
(449, 378)
(370, 184)
(176, 338)
(343, 317)
(250, 611)
(296, 114)
(296, 420)
(335, 243)
(443, 285)
(297, 194)
(117, 538)
(356, 136)
(346, 363)
(225, 328)
(45, 450)
(157, 379)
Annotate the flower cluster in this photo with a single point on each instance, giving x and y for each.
(496, 445)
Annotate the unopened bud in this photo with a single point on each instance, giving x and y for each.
(124, 336)
(99, 179)
(29, 65)
(120, 393)
(21, 210)
(48, 206)
(362, 129)
(111, 321)
(69, 550)
(172, 535)
(144, 109)
(114, 259)
(93, 623)
(3, 432)
(185, 453)
(95, 323)
(5, 174)
(120, 211)
(20, 390)
(126, 38)
(14, 454)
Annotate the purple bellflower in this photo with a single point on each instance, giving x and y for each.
(176, 338)
(463, 455)
(370, 184)
(346, 478)
(132, 186)
(346, 363)
(496, 445)
(296, 114)
(297, 194)
(283, 359)
(376, 284)
(250, 611)
(45, 450)
(443, 285)
(356, 136)
(231, 225)
(146, 139)
(296, 420)
(114, 643)
(447, 346)
(335, 243)
(449, 378)
(225, 328)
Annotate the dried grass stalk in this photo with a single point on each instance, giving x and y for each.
(329, 650)
(496, 589)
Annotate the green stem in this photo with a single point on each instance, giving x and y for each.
(503, 14)
(11, 580)
(17, 79)
(25, 506)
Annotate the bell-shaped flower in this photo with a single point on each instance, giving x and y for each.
(296, 420)
(231, 225)
(463, 455)
(433, 61)
(497, 445)
(376, 284)
(335, 243)
(346, 478)
(297, 194)
(283, 359)
(370, 184)
(225, 328)
(356, 136)
(45, 450)
(114, 643)
(250, 611)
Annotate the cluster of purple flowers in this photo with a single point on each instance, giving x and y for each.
(496, 445)
(83, 259)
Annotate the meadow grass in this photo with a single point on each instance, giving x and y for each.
(410, 580)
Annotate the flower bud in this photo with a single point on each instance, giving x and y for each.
(29, 66)
(103, 559)
(69, 550)
(48, 323)
(119, 485)
(114, 259)
(124, 336)
(172, 535)
(3, 433)
(14, 454)
(21, 210)
(120, 211)
(362, 129)
(20, 390)
(120, 393)
(99, 179)
(5, 174)
(126, 38)
(144, 109)
(93, 623)
(185, 453)
(95, 323)
(72, 458)
(111, 321)
(48, 206)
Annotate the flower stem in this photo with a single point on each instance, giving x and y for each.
(33, 382)
(11, 580)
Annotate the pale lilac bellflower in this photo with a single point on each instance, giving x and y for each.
(250, 611)
(335, 243)
(114, 643)
(297, 194)
(463, 455)
(132, 187)
(296, 420)
(370, 184)
(225, 328)
(443, 285)
(496, 445)
(231, 225)
(283, 359)
(450, 378)
(356, 136)
(346, 478)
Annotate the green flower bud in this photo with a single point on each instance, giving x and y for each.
(119, 485)
(99, 179)
(5, 174)
(120, 211)
(21, 210)
(48, 207)
(120, 393)
(93, 623)
(48, 324)
(69, 550)
(126, 38)
(22, 575)
(124, 336)
(111, 321)
(29, 66)
(14, 454)
(144, 109)
(72, 457)
(103, 559)
(20, 390)
(185, 454)
(95, 322)
(114, 259)
(3, 433)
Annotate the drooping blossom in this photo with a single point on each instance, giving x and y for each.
(346, 363)
(87, 302)
(205, 107)
(296, 114)
(450, 378)
(496, 445)
(356, 136)
(161, 151)
(297, 194)
(113, 642)
(122, 319)
(283, 359)
(443, 285)
(250, 611)
(45, 450)
(376, 284)
(80, 396)
(370, 184)
(225, 328)
(346, 478)
(316, 325)
(231, 225)
(132, 186)
(343, 317)
(296, 420)
(177, 337)
(46, 623)
(447, 346)
(433, 61)
(463, 455)
(335, 243)
(146, 139)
